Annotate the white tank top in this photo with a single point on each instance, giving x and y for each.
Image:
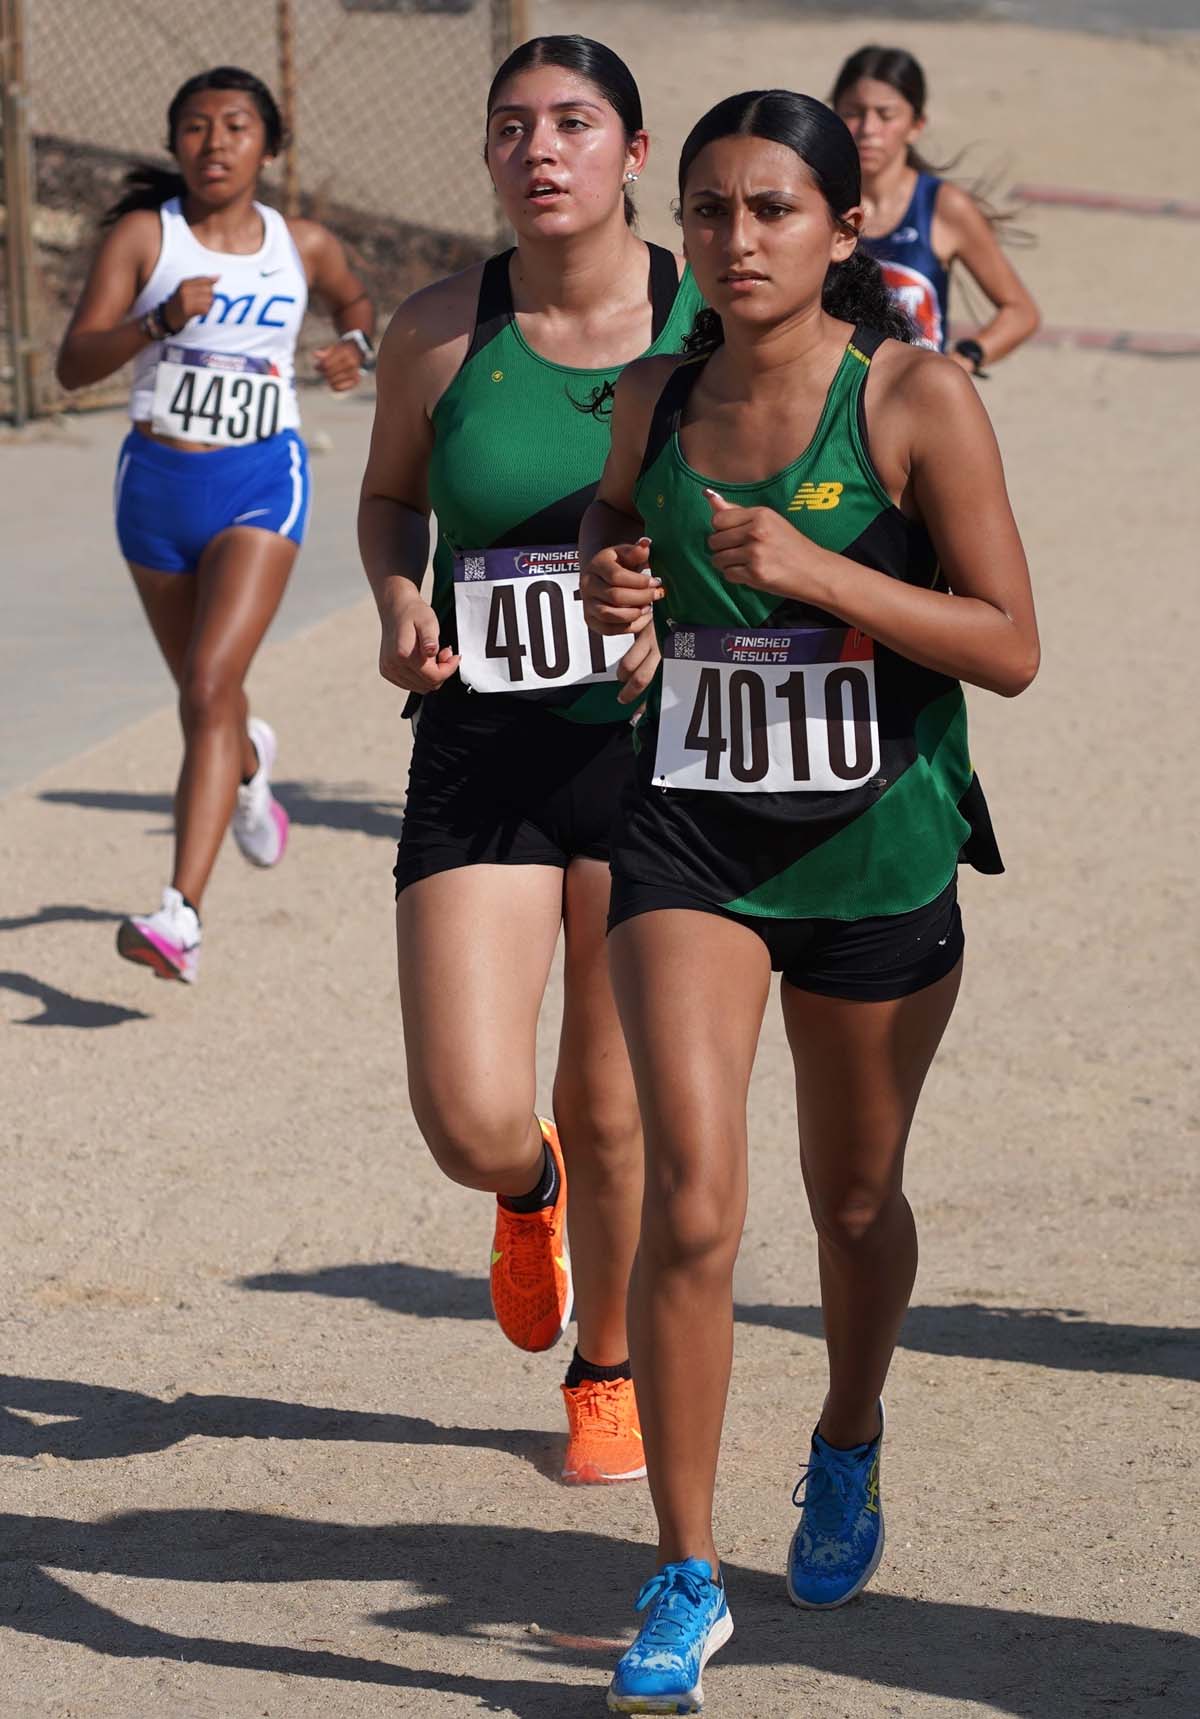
(258, 306)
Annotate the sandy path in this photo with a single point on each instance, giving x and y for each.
(261, 1450)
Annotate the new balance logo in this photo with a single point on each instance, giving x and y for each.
(815, 496)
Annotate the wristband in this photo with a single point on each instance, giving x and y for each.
(356, 337)
(154, 324)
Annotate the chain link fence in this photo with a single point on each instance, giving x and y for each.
(382, 99)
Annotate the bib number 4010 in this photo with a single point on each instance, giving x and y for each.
(730, 715)
(802, 720)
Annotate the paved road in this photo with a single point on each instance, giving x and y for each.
(76, 661)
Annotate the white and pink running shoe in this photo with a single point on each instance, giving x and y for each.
(168, 942)
(260, 824)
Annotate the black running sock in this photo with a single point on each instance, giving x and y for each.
(579, 1370)
(246, 780)
(544, 1193)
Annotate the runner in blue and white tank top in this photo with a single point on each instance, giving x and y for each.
(918, 225)
(915, 275)
(204, 290)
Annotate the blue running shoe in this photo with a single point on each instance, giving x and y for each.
(839, 1540)
(688, 1621)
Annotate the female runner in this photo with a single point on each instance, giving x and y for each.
(204, 289)
(836, 553)
(918, 225)
(487, 387)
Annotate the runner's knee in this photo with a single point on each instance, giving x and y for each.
(471, 1145)
(209, 695)
(856, 1219)
(691, 1221)
(601, 1122)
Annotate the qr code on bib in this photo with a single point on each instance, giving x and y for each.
(474, 567)
(684, 645)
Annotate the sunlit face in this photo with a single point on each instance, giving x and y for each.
(220, 144)
(758, 233)
(881, 122)
(558, 154)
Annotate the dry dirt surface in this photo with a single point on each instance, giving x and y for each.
(262, 1452)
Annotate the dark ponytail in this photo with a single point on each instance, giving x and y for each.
(602, 68)
(854, 291)
(145, 187)
(148, 187)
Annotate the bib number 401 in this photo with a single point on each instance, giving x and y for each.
(520, 623)
(541, 606)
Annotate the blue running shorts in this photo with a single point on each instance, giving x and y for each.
(169, 505)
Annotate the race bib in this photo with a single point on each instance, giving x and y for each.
(521, 625)
(222, 398)
(767, 712)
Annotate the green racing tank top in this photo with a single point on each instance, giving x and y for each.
(518, 453)
(790, 766)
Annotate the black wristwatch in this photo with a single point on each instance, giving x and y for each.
(972, 350)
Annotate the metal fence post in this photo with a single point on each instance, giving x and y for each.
(286, 37)
(520, 25)
(18, 203)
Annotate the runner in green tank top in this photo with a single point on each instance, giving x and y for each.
(490, 385)
(805, 795)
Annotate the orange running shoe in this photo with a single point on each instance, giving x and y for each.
(604, 1443)
(532, 1294)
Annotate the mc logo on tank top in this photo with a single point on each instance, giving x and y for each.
(224, 308)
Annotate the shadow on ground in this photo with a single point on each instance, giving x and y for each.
(61, 914)
(96, 1423)
(1059, 1337)
(61, 1009)
(311, 805)
(476, 1588)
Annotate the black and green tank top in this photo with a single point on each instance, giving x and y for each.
(517, 453)
(881, 800)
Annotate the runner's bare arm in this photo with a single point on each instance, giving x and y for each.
(101, 336)
(618, 583)
(973, 242)
(983, 630)
(421, 351)
(614, 553)
(341, 289)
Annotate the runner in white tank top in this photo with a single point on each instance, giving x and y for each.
(204, 289)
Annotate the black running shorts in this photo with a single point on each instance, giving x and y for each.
(494, 781)
(864, 960)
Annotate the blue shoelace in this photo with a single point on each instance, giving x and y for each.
(671, 1587)
(826, 1491)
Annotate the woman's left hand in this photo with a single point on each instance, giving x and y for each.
(340, 365)
(756, 546)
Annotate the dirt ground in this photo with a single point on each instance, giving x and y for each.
(262, 1452)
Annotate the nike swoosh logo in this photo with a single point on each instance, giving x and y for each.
(266, 272)
(905, 236)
